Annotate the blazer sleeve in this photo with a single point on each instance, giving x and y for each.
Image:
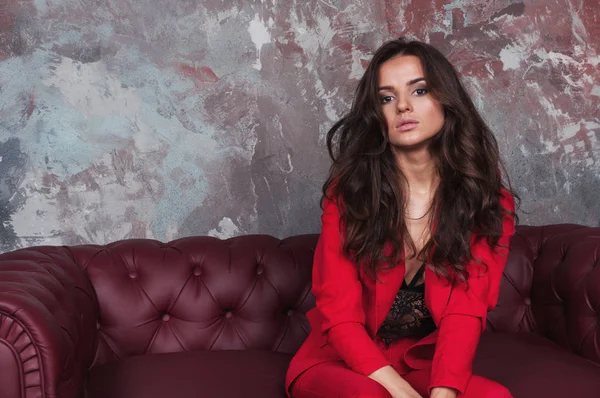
(464, 317)
(338, 292)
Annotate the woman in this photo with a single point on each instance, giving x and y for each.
(415, 231)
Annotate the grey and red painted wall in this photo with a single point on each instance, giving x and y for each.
(162, 119)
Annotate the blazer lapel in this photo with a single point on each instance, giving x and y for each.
(437, 294)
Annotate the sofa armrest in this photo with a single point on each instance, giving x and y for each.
(565, 293)
(48, 314)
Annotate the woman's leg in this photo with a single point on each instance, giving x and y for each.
(478, 387)
(335, 380)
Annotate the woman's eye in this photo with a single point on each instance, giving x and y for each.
(385, 99)
(421, 91)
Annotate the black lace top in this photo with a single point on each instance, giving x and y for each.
(408, 316)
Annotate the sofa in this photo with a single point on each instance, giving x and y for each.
(202, 317)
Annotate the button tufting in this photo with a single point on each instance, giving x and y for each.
(133, 275)
(228, 314)
(260, 270)
(97, 325)
(166, 317)
(527, 301)
(197, 271)
(290, 312)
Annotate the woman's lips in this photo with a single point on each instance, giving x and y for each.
(407, 126)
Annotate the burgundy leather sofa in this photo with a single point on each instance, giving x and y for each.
(201, 317)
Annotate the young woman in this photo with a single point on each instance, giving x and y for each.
(415, 231)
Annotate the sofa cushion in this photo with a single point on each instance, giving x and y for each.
(206, 374)
(530, 365)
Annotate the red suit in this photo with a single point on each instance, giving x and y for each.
(350, 308)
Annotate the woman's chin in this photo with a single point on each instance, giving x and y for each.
(410, 145)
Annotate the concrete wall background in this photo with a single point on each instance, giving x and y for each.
(163, 119)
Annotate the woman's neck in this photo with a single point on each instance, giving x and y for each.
(419, 169)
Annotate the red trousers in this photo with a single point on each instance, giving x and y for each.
(336, 380)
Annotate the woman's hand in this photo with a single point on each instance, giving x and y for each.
(404, 390)
(394, 383)
(443, 392)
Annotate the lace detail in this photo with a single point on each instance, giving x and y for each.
(408, 316)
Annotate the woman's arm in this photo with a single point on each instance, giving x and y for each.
(338, 293)
(464, 318)
(394, 383)
(443, 392)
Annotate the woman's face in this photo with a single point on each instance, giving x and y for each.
(412, 115)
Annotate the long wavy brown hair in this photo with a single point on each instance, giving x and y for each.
(366, 181)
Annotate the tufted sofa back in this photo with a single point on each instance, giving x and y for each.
(551, 286)
(199, 293)
(92, 304)
(202, 293)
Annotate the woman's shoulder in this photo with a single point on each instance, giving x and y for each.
(507, 199)
(332, 197)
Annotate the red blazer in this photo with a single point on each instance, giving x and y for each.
(351, 307)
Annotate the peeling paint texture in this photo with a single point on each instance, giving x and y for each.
(147, 119)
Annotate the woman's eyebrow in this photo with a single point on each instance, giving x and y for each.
(413, 81)
(409, 83)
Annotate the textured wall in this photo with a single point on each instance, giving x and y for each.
(140, 118)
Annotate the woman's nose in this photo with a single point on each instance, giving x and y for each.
(403, 105)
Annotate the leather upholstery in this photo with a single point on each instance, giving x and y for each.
(532, 366)
(551, 286)
(200, 293)
(64, 310)
(218, 374)
(48, 313)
